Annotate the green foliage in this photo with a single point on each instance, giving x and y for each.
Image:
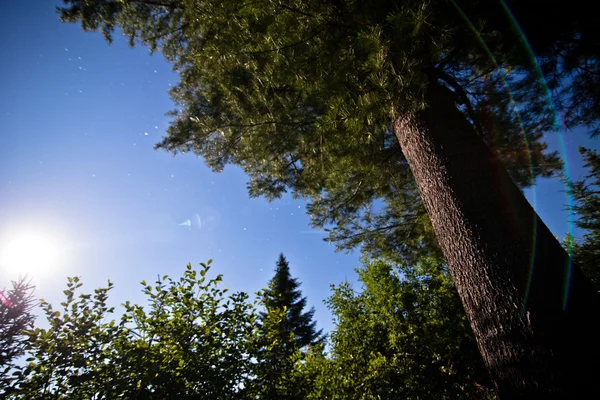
(302, 94)
(404, 335)
(68, 358)
(586, 199)
(200, 335)
(193, 341)
(287, 333)
(16, 315)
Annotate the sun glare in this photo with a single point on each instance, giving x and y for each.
(30, 254)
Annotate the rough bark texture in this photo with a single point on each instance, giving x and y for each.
(536, 333)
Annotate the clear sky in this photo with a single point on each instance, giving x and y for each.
(78, 120)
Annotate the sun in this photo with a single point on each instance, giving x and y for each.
(29, 254)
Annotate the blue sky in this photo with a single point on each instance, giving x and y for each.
(78, 120)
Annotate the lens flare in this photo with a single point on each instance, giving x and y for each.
(561, 144)
(4, 300)
(562, 149)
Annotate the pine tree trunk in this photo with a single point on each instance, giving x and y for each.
(533, 317)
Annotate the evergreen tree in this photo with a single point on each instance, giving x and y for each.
(350, 102)
(16, 306)
(288, 331)
(284, 293)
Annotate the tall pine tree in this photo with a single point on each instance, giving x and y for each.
(287, 330)
(350, 102)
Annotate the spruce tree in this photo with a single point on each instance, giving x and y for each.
(283, 292)
(286, 331)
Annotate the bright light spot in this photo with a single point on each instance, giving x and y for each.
(145, 133)
(29, 254)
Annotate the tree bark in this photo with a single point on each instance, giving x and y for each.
(533, 315)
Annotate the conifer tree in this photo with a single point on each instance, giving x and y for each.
(16, 315)
(288, 330)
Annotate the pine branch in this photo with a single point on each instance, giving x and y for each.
(383, 228)
(173, 5)
(276, 49)
(161, 35)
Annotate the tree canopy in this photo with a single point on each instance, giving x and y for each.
(192, 340)
(402, 334)
(301, 95)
